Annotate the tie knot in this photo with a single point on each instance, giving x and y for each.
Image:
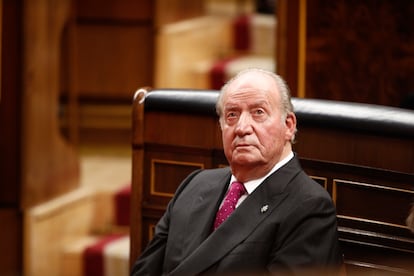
(237, 189)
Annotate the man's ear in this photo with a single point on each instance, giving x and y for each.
(290, 123)
(220, 122)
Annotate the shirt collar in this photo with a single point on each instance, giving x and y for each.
(253, 184)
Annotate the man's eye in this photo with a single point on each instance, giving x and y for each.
(259, 112)
(231, 115)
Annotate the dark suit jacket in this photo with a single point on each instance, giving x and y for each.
(287, 223)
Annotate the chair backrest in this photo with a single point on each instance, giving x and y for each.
(362, 154)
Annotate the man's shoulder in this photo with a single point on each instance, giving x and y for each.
(302, 182)
(310, 186)
(216, 172)
(204, 178)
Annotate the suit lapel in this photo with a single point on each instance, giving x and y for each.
(207, 193)
(257, 206)
(203, 212)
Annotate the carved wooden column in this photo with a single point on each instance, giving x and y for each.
(50, 165)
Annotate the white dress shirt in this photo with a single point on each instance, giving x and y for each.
(253, 184)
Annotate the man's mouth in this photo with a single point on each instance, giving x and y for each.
(242, 146)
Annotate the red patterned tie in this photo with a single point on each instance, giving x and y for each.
(237, 189)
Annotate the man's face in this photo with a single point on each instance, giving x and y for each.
(254, 131)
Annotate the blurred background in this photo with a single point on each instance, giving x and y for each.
(69, 70)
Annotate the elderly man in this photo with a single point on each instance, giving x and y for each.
(262, 214)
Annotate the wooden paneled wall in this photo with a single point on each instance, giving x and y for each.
(10, 129)
(37, 163)
(111, 55)
(169, 11)
(358, 51)
(115, 48)
(50, 164)
(116, 43)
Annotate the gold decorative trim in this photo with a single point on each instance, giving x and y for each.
(302, 49)
(334, 191)
(373, 221)
(1, 39)
(325, 180)
(372, 266)
(151, 231)
(172, 162)
(337, 182)
(379, 187)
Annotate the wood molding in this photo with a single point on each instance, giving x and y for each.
(302, 50)
(290, 49)
(1, 40)
(50, 163)
(154, 188)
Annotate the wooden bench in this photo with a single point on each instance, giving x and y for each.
(362, 154)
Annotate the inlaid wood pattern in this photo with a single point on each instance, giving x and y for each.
(360, 51)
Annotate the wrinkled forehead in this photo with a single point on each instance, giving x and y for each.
(248, 93)
(244, 94)
(253, 84)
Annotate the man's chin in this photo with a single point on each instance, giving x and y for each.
(244, 159)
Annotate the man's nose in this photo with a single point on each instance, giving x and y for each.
(244, 124)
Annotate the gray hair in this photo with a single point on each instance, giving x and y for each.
(282, 87)
(284, 92)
